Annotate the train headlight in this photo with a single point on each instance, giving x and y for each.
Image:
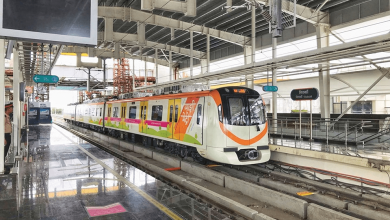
(252, 154)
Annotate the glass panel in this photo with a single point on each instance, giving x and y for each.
(220, 113)
(116, 112)
(176, 113)
(171, 113)
(237, 112)
(257, 111)
(198, 120)
(133, 112)
(157, 112)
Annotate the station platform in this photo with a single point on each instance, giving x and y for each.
(64, 177)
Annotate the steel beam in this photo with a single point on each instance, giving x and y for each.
(102, 53)
(132, 39)
(129, 14)
(305, 13)
(187, 7)
(341, 51)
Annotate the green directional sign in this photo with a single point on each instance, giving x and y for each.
(270, 88)
(45, 79)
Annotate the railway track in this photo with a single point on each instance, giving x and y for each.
(361, 205)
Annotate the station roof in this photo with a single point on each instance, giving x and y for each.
(233, 28)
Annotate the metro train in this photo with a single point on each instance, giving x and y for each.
(225, 125)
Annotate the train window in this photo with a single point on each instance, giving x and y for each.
(109, 112)
(220, 112)
(100, 111)
(142, 112)
(93, 112)
(257, 112)
(238, 114)
(171, 113)
(199, 117)
(133, 112)
(97, 111)
(157, 112)
(116, 112)
(176, 113)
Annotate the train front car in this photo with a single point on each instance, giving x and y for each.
(238, 133)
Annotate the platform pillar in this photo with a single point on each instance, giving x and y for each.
(2, 102)
(274, 94)
(16, 121)
(324, 76)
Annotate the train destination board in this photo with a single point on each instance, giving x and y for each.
(304, 94)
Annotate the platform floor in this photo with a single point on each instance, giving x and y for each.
(63, 175)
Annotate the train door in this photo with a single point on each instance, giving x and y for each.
(122, 124)
(198, 125)
(174, 110)
(143, 116)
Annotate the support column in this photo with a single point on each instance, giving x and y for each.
(229, 4)
(2, 103)
(170, 66)
(141, 33)
(16, 103)
(324, 75)
(208, 53)
(191, 53)
(104, 76)
(146, 72)
(156, 64)
(249, 82)
(274, 94)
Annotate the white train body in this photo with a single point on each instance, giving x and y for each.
(225, 125)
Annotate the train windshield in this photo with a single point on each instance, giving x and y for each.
(257, 113)
(246, 111)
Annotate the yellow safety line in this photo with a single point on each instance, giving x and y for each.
(132, 186)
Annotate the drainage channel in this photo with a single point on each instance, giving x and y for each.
(183, 203)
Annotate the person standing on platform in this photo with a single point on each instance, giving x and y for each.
(7, 129)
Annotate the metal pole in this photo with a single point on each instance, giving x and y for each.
(89, 80)
(2, 102)
(191, 53)
(346, 135)
(300, 121)
(274, 94)
(311, 121)
(156, 64)
(104, 76)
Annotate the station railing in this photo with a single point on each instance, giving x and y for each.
(344, 133)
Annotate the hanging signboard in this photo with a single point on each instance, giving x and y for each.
(45, 79)
(304, 94)
(270, 88)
